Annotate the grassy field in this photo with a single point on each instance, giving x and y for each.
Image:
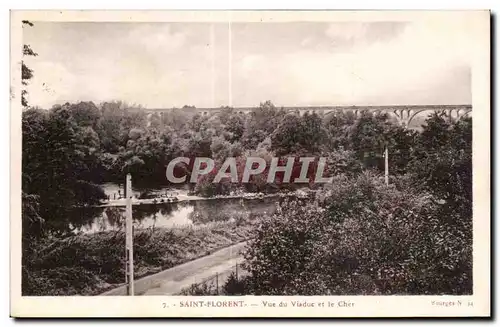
(92, 264)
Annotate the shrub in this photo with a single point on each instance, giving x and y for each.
(235, 286)
(364, 238)
(201, 289)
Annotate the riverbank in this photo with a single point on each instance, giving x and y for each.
(185, 197)
(93, 264)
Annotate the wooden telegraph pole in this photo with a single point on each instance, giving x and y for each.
(129, 239)
(386, 159)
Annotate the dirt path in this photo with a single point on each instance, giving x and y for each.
(175, 279)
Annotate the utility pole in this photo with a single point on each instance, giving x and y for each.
(129, 239)
(386, 159)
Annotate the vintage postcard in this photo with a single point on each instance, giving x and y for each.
(250, 164)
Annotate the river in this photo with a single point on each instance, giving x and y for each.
(180, 214)
(170, 215)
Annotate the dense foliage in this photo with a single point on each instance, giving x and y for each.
(361, 236)
(365, 238)
(71, 148)
(424, 216)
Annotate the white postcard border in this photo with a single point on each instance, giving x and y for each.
(477, 304)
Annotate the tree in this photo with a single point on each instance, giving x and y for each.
(401, 143)
(109, 126)
(367, 136)
(57, 166)
(220, 148)
(338, 125)
(442, 163)
(85, 114)
(295, 134)
(262, 122)
(34, 133)
(26, 72)
(236, 127)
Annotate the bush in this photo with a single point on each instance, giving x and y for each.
(235, 286)
(278, 258)
(364, 238)
(202, 289)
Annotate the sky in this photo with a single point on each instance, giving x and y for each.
(165, 65)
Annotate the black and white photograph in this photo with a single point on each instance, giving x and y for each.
(216, 161)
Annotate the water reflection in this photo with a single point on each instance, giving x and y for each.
(169, 215)
(180, 218)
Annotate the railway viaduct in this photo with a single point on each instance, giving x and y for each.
(407, 115)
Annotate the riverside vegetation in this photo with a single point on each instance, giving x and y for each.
(362, 237)
(359, 236)
(92, 264)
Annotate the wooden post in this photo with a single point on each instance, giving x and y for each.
(217, 282)
(129, 238)
(386, 159)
